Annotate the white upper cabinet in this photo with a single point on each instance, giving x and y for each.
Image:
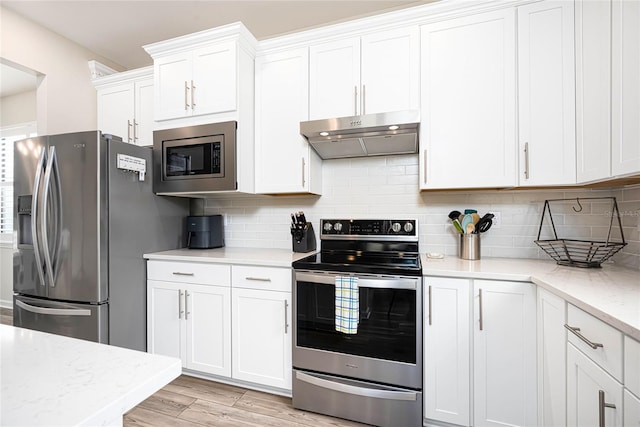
(468, 101)
(285, 162)
(546, 94)
(593, 89)
(625, 138)
(199, 82)
(362, 75)
(125, 105)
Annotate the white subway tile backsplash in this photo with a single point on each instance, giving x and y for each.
(388, 187)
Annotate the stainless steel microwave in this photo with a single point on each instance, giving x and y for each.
(195, 159)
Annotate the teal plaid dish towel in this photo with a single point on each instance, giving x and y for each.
(347, 304)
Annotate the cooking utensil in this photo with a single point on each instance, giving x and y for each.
(485, 223)
(466, 220)
(475, 217)
(470, 228)
(453, 216)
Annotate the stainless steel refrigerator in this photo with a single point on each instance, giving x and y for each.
(85, 213)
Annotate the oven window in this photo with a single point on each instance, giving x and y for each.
(386, 330)
(193, 159)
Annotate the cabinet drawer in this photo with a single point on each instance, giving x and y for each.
(189, 272)
(608, 353)
(631, 410)
(266, 278)
(632, 365)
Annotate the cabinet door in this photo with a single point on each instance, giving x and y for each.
(593, 89)
(208, 329)
(546, 94)
(552, 338)
(625, 140)
(468, 99)
(143, 125)
(585, 381)
(334, 79)
(447, 389)
(172, 86)
(631, 410)
(262, 337)
(390, 71)
(284, 159)
(504, 352)
(116, 111)
(165, 314)
(214, 88)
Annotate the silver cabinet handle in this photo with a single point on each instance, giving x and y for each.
(303, 167)
(355, 100)
(363, 105)
(258, 279)
(54, 311)
(179, 273)
(429, 304)
(193, 91)
(180, 310)
(186, 96)
(526, 160)
(286, 317)
(480, 306)
(576, 332)
(186, 305)
(135, 133)
(129, 130)
(601, 407)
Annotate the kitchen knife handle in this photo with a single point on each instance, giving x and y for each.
(186, 96)
(180, 310)
(286, 316)
(526, 160)
(303, 167)
(601, 407)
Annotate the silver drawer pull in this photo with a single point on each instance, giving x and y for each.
(576, 332)
(258, 279)
(178, 273)
(601, 407)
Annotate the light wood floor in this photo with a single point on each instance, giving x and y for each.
(189, 401)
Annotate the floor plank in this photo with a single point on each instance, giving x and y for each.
(168, 403)
(141, 417)
(202, 389)
(214, 414)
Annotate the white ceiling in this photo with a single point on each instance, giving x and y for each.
(117, 30)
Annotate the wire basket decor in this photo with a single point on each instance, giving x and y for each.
(580, 253)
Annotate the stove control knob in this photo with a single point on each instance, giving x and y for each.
(327, 226)
(396, 227)
(337, 226)
(408, 227)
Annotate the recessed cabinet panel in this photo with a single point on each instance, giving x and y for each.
(116, 110)
(164, 321)
(172, 84)
(214, 79)
(468, 102)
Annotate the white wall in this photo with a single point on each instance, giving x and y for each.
(388, 187)
(66, 97)
(19, 108)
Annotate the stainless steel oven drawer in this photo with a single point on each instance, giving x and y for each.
(357, 400)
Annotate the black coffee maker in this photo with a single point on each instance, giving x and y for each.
(205, 232)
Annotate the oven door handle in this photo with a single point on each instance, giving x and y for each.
(355, 390)
(363, 282)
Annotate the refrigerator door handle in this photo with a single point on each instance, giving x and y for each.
(54, 311)
(34, 216)
(52, 168)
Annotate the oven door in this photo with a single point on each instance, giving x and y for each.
(387, 346)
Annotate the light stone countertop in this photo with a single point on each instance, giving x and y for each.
(227, 255)
(610, 293)
(52, 380)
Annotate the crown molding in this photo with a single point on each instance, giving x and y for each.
(123, 77)
(98, 69)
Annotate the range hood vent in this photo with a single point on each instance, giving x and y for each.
(361, 136)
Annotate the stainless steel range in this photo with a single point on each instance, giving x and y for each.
(357, 351)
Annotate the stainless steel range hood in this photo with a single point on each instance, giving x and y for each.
(368, 135)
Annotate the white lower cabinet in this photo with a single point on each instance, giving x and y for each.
(447, 355)
(631, 410)
(191, 322)
(480, 352)
(552, 350)
(261, 336)
(591, 393)
(504, 354)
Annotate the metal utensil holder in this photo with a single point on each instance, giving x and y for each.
(580, 253)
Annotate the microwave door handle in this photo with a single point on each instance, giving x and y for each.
(34, 216)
